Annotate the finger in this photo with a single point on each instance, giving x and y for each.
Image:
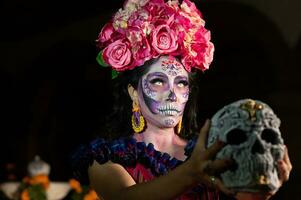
(286, 159)
(220, 185)
(218, 166)
(215, 182)
(212, 150)
(283, 171)
(201, 142)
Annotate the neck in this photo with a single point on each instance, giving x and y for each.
(159, 137)
(164, 140)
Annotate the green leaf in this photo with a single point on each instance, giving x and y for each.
(37, 192)
(114, 73)
(100, 60)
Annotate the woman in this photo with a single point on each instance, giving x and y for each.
(155, 46)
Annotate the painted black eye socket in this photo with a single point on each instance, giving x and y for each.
(236, 137)
(157, 81)
(185, 83)
(270, 136)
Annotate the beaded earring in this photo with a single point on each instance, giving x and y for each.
(137, 119)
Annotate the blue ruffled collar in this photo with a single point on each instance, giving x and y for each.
(127, 152)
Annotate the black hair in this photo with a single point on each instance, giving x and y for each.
(118, 123)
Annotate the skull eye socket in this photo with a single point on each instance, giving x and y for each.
(270, 136)
(236, 137)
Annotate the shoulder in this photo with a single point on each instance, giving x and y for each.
(108, 178)
(102, 151)
(108, 170)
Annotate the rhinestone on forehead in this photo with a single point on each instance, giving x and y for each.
(171, 66)
(251, 107)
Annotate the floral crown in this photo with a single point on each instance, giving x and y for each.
(146, 29)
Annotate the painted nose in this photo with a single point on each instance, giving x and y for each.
(258, 147)
(172, 96)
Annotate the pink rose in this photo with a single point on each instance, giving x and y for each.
(192, 9)
(204, 49)
(158, 11)
(208, 56)
(139, 17)
(164, 39)
(140, 46)
(200, 49)
(118, 55)
(187, 62)
(144, 53)
(204, 54)
(202, 35)
(105, 33)
(184, 22)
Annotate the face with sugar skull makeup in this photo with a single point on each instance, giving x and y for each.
(163, 92)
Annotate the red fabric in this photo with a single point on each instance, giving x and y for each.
(141, 174)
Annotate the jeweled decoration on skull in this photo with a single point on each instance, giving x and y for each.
(253, 140)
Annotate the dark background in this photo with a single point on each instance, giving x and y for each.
(54, 96)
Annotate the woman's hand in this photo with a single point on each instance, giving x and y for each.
(252, 196)
(284, 167)
(202, 164)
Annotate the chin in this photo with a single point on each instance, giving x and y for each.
(162, 121)
(169, 121)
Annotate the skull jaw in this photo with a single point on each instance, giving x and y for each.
(255, 188)
(249, 178)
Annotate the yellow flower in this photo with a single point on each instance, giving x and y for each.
(75, 185)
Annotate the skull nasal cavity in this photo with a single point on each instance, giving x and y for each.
(172, 96)
(257, 148)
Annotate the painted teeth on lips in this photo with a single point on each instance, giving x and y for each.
(168, 110)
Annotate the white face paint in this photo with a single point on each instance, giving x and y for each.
(163, 92)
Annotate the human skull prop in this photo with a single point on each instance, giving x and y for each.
(253, 140)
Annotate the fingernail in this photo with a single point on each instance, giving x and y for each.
(207, 122)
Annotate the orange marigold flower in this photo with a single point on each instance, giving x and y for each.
(75, 185)
(91, 195)
(40, 179)
(25, 195)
